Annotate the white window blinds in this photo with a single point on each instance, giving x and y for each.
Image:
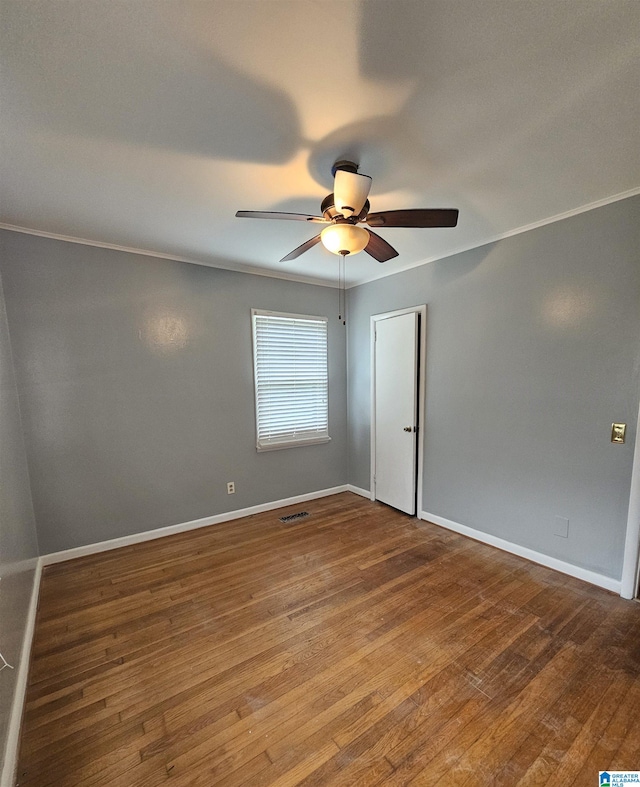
(291, 379)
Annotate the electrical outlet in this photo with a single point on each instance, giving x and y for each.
(231, 488)
(561, 527)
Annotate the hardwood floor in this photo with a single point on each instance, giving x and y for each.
(357, 646)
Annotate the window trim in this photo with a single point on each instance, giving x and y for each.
(288, 442)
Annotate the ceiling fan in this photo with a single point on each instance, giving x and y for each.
(346, 208)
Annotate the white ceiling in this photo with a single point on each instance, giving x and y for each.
(147, 123)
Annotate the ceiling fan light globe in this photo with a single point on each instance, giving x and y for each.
(341, 238)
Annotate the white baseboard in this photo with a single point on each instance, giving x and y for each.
(150, 535)
(529, 554)
(358, 491)
(17, 706)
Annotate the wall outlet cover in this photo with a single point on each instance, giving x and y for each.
(561, 527)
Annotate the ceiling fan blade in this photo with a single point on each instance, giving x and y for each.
(350, 192)
(379, 249)
(274, 214)
(308, 244)
(416, 217)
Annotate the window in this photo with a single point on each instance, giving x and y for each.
(291, 379)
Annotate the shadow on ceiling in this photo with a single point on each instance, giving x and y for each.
(175, 97)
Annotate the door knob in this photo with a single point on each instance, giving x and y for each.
(408, 429)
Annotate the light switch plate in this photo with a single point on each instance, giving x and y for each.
(618, 432)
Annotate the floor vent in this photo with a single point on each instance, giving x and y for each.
(293, 517)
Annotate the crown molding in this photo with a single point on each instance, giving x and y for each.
(509, 234)
(275, 274)
(239, 268)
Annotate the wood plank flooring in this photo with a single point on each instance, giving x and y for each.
(357, 646)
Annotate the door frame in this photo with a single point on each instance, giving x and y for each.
(422, 360)
(629, 586)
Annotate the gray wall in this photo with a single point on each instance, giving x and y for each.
(136, 383)
(532, 352)
(18, 545)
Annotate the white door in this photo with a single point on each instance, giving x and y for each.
(396, 395)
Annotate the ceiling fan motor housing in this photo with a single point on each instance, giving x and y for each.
(328, 207)
(329, 211)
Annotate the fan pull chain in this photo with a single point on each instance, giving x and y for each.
(340, 288)
(342, 297)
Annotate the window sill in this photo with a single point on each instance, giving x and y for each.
(292, 444)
